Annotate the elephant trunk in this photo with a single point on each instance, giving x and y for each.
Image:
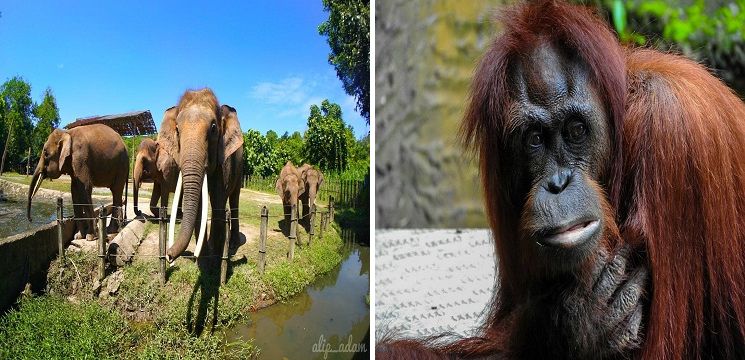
(33, 187)
(193, 173)
(312, 195)
(136, 184)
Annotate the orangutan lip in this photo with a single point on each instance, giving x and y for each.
(570, 235)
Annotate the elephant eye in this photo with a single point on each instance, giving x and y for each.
(213, 128)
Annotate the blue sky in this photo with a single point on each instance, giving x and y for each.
(265, 58)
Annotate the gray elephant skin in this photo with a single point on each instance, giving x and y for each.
(93, 156)
(206, 141)
(312, 178)
(154, 164)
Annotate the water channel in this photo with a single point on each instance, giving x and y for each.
(332, 310)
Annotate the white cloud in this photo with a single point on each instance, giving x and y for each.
(289, 90)
(289, 97)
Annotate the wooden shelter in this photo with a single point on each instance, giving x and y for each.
(127, 124)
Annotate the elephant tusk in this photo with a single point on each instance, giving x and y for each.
(174, 210)
(38, 185)
(203, 222)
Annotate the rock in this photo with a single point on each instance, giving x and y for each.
(96, 286)
(113, 282)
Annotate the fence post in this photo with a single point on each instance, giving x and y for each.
(162, 242)
(225, 245)
(262, 238)
(331, 209)
(60, 240)
(101, 243)
(322, 225)
(293, 231)
(311, 232)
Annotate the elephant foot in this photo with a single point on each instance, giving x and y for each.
(78, 235)
(89, 237)
(112, 228)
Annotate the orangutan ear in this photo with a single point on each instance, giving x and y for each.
(65, 145)
(232, 136)
(168, 135)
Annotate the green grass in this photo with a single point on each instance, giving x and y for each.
(49, 327)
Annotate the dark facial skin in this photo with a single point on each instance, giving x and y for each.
(557, 147)
(558, 134)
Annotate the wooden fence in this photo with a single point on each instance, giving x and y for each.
(346, 193)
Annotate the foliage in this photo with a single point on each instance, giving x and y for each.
(258, 153)
(50, 327)
(348, 34)
(326, 140)
(706, 31)
(15, 113)
(289, 148)
(47, 119)
(272, 137)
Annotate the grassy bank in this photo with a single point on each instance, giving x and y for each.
(140, 318)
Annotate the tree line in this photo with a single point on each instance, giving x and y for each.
(328, 143)
(24, 124)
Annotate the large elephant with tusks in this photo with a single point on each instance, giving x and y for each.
(206, 141)
(93, 156)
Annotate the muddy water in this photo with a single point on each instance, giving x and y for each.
(13, 215)
(329, 311)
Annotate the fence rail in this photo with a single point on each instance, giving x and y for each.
(163, 221)
(346, 193)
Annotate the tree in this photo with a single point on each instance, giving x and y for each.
(272, 137)
(348, 34)
(326, 143)
(47, 115)
(289, 148)
(15, 134)
(259, 155)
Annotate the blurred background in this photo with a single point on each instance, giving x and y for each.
(425, 55)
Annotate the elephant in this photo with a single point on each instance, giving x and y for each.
(313, 178)
(289, 186)
(94, 156)
(153, 163)
(206, 141)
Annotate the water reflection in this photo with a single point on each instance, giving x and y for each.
(333, 306)
(13, 215)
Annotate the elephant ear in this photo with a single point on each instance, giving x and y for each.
(65, 145)
(232, 136)
(168, 135)
(280, 190)
(320, 179)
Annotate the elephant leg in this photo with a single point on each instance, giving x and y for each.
(78, 199)
(157, 195)
(164, 195)
(234, 225)
(116, 211)
(89, 211)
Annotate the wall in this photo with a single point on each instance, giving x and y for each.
(425, 55)
(25, 257)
